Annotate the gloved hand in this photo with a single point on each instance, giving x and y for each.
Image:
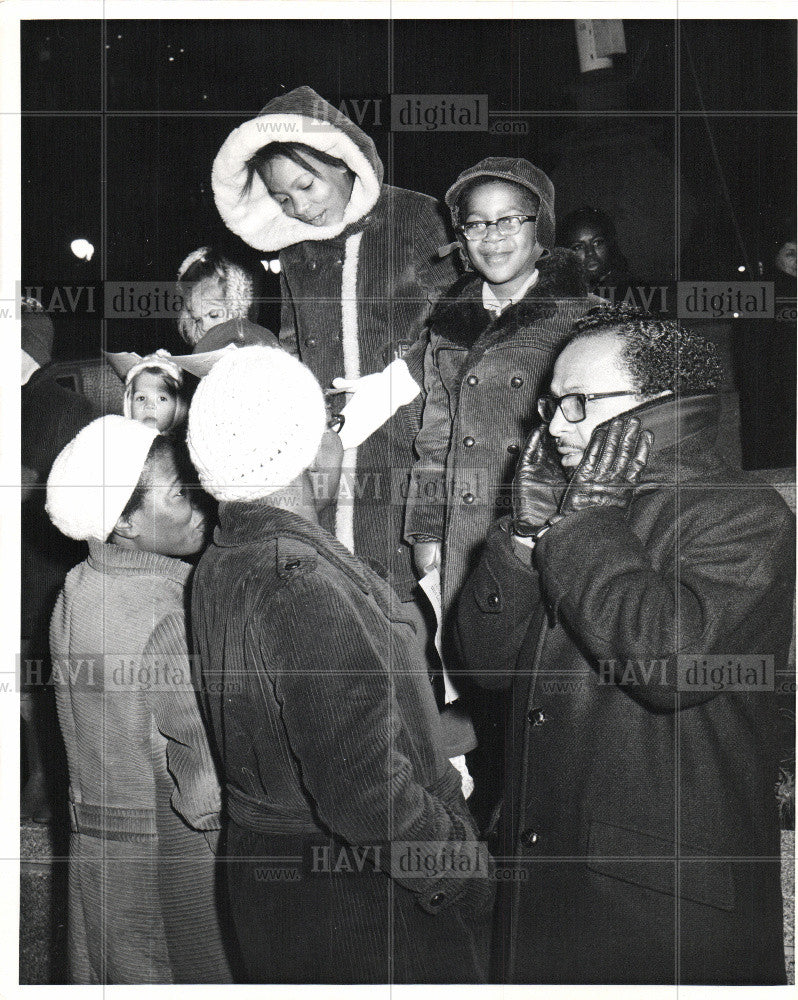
(610, 468)
(375, 399)
(538, 484)
(426, 557)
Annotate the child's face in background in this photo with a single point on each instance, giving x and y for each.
(207, 306)
(505, 262)
(153, 401)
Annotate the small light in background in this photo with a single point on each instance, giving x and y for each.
(741, 268)
(171, 58)
(82, 249)
(736, 315)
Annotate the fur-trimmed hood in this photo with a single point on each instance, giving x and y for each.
(461, 317)
(302, 116)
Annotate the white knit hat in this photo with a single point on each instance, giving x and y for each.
(255, 423)
(94, 476)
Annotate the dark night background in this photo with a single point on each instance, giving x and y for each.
(122, 119)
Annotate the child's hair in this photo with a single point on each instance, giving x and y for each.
(172, 379)
(531, 200)
(238, 288)
(294, 151)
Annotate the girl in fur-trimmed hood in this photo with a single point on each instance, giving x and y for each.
(360, 272)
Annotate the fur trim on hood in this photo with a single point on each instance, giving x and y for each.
(299, 116)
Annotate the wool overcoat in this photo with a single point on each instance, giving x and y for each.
(645, 653)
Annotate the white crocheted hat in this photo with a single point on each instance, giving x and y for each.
(94, 476)
(255, 423)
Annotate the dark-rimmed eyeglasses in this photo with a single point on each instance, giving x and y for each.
(508, 225)
(572, 404)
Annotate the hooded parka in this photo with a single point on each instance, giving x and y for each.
(354, 297)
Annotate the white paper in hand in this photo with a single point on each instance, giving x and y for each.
(430, 583)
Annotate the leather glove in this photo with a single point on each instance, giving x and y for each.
(538, 484)
(610, 468)
(375, 399)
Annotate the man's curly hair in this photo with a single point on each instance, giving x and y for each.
(659, 354)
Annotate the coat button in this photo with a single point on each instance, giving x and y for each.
(311, 342)
(468, 498)
(530, 838)
(468, 442)
(493, 600)
(313, 265)
(437, 899)
(537, 717)
(472, 380)
(516, 381)
(513, 449)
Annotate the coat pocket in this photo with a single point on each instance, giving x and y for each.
(487, 591)
(650, 861)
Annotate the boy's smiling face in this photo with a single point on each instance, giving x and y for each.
(505, 262)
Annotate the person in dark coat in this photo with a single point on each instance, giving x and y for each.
(360, 272)
(50, 416)
(492, 342)
(350, 853)
(639, 606)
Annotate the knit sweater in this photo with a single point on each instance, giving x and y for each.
(138, 760)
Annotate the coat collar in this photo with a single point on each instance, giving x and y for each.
(685, 430)
(118, 561)
(462, 319)
(245, 523)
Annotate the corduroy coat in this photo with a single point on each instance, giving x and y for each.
(639, 795)
(352, 301)
(482, 380)
(144, 798)
(334, 766)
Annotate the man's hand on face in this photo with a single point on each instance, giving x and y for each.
(610, 468)
(538, 484)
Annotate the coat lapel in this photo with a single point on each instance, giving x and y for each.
(462, 319)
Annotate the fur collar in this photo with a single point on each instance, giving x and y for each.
(462, 319)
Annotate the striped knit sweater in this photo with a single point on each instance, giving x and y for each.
(138, 756)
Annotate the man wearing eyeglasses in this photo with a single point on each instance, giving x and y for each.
(638, 604)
